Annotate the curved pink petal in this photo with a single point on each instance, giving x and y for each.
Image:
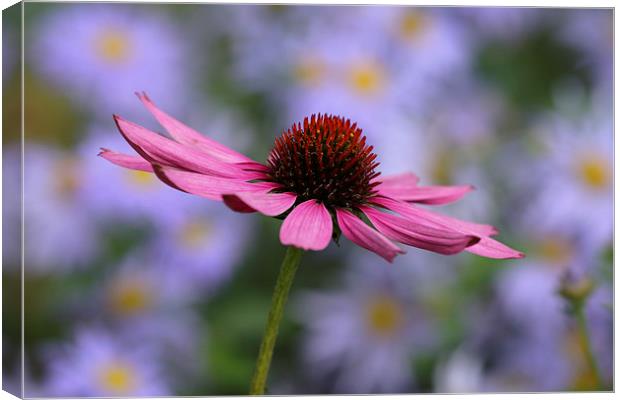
(160, 150)
(126, 161)
(364, 236)
(186, 135)
(491, 248)
(443, 241)
(427, 194)
(208, 186)
(270, 204)
(487, 247)
(432, 218)
(308, 226)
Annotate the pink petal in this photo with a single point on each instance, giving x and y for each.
(270, 204)
(405, 180)
(252, 166)
(427, 194)
(236, 204)
(126, 161)
(364, 236)
(491, 248)
(188, 136)
(208, 186)
(434, 219)
(309, 226)
(443, 241)
(160, 150)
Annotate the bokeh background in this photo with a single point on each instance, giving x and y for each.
(132, 288)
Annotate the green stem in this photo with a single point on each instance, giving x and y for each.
(585, 343)
(280, 294)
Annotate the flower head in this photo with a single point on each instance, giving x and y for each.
(319, 176)
(325, 159)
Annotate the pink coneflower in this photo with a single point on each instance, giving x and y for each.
(320, 177)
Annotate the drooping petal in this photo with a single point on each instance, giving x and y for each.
(308, 226)
(427, 194)
(487, 247)
(364, 236)
(432, 218)
(443, 241)
(208, 186)
(160, 150)
(126, 161)
(186, 135)
(270, 204)
(491, 248)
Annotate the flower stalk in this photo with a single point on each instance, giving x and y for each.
(577, 292)
(280, 295)
(587, 348)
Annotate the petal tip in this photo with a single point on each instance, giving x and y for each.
(142, 96)
(391, 258)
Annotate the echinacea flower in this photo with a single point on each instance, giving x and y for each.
(320, 177)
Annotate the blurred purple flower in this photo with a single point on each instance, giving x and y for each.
(59, 233)
(367, 59)
(202, 244)
(364, 336)
(149, 302)
(575, 178)
(96, 363)
(142, 287)
(101, 53)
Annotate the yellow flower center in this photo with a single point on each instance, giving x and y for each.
(67, 177)
(310, 71)
(113, 46)
(594, 172)
(140, 179)
(412, 25)
(366, 79)
(130, 297)
(117, 377)
(195, 233)
(555, 250)
(384, 316)
(442, 167)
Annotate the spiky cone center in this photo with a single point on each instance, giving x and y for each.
(325, 158)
